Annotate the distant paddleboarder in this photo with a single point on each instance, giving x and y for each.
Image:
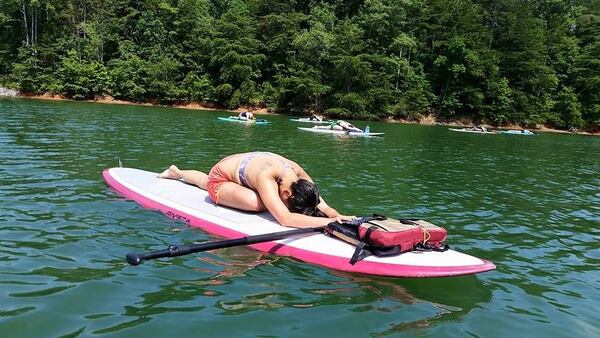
(480, 128)
(246, 115)
(340, 125)
(316, 118)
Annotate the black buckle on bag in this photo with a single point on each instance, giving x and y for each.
(431, 247)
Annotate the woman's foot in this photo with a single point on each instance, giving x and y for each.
(173, 172)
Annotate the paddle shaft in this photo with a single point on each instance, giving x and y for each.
(180, 250)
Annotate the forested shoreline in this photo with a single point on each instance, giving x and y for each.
(507, 61)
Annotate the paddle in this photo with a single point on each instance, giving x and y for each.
(180, 250)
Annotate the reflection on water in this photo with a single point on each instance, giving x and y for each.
(530, 205)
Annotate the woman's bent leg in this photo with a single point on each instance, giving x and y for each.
(236, 196)
(194, 177)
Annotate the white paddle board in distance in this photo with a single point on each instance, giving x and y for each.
(238, 120)
(340, 132)
(193, 206)
(466, 130)
(518, 132)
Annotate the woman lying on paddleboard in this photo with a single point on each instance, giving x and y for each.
(340, 125)
(259, 181)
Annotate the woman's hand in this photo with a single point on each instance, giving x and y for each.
(342, 218)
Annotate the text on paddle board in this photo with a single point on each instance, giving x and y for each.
(173, 215)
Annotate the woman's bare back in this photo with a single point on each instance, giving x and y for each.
(248, 166)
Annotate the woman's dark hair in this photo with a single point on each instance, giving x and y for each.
(305, 198)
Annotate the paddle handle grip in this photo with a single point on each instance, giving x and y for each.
(180, 250)
(134, 258)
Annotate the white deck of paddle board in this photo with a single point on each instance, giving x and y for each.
(473, 131)
(238, 120)
(339, 132)
(306, 120)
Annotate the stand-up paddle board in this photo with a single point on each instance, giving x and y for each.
(193, 206)
(468, 130)
(239, 120)
(340, 132)
(524, 132)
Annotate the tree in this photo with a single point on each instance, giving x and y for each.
(235, 57)
(504, 61)
(587, 66)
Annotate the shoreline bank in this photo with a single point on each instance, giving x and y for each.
(427, 120)
(111, 100)
(7, 92)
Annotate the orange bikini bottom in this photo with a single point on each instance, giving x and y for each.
(216, 178)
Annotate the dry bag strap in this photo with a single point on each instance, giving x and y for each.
(357, 222)
(360, 253)
(370, 230)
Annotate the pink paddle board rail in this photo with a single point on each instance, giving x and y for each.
(278, 248)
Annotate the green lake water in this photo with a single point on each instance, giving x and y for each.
(530, 204)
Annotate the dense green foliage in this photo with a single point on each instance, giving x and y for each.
(525, 61)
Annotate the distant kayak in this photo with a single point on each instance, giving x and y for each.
(340, 132)
(308, 120)
(518, 132)
(238, 120)
(470, 130)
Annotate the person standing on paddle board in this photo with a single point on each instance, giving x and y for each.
(260, 181)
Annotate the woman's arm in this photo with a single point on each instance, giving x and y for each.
(327, 210)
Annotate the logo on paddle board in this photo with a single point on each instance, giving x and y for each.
(175, 216)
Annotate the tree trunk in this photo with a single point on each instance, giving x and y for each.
(397, 78)
(32, 23)
(24, 11)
